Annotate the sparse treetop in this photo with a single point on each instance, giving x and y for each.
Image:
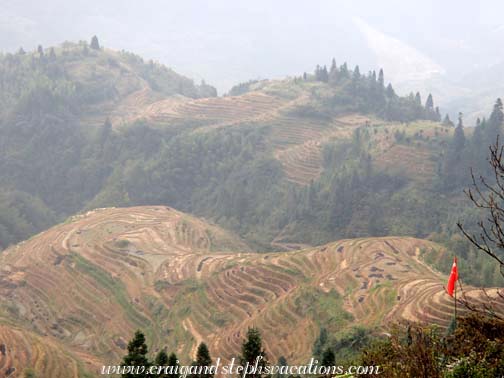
(95, 45)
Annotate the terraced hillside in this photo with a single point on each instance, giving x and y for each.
(78, 291)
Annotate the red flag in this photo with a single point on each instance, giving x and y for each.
(453, 278)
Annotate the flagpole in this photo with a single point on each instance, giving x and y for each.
(455, 299)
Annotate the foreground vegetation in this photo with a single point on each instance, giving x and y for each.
(473, 348)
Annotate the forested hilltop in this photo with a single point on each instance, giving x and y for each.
(302, 161)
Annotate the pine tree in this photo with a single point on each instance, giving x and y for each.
(356, 73)
(328, 358)
(317, 72)
(429, 104)
(447, 121)
(494, 123)
(137, 355)
(173, 361)
(344, 71)
(324, 75)
(21, 51)
(418, 99)
(52, 54)
(40, 50)
(282, 361)
(162, 360)
(323, 336)
(203, 359)
(252, 350)
(95, 45)
(390, 91)
(334, 68)
(438, 114)
(497, 116)
(459, 139)
(381, 79)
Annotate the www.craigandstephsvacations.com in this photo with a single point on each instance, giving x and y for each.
(234, 368)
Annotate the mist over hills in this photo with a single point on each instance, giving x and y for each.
(227, 43)
(320, 200)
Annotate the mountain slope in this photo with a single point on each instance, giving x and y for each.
(84, 287)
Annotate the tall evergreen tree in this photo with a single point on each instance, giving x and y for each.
(356, 73)
(429, 104)
(173, 361)
(497, 115)
(381, 79)
(459, 139)
(40, 50)
(418, 99)
(137, 355)
(95, 45)
(324, 75)
(162, 360)
(390, 91)
(203, 359)
(344, 71)
(333, 68)
(252, 350)
(328, 358)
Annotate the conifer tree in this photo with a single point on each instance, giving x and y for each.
(438, 114)
(173, 361)
(52, 54)
(137, 355)
(282, 361)
(418, 99)
(356, 73)
(252, 350)
(333, 68)
(447, 121)
(317, 72)
(381, 79)
(95, 45)
(344, 70)
(373, 79)
(390, 91)
(21, 51)
(328, 358)
(203, 359)
(494, 123)
(40, 50)
(459, 139)
(324, 75)
(162, 360)
(429, 104)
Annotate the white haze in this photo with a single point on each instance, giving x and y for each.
(430, 45)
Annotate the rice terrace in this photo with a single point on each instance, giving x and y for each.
(266, 183)
(179, 277)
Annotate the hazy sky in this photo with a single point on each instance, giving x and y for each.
(225, 41)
